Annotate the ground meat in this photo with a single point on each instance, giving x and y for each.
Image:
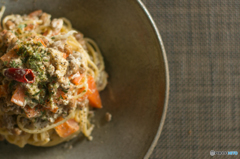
(57, 24)
(67, 49)
(51, 70)
(16, 131)
(73, 66)
(8, 122)
(72, 104)
(80, 38)
(18, 19)
(59, 63)
(82, 69)
(45, 40)
(10, 25)
(10, 107)
(108, 117)
(9, 38)
(59, 45)
(65, 83)
(46, 19)
(82, 104)
(78, 59)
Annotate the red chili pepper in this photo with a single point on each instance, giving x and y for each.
(20, 75)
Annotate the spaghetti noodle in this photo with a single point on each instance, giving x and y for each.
(67, 72)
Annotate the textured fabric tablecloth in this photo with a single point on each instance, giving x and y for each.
(201, 38)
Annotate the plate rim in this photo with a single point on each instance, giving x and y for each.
(167, 79)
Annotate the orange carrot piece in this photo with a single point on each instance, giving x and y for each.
(80, 90)
(35, 13)
(29, 27)
(93, 94)
(65, 55)
(76, 78)
(31, 112)
(61, 93)
(41, 41)
(18, 96)
(67, 128)
(46, 32)
(3, 90)
(10, 55)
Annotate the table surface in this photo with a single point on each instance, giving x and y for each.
(201, 38)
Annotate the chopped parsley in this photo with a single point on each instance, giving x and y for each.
(12, 84)
(26, 93)
(37, 93)
(21, 26)
(35, 101)
(65, 91)
(53, 79)
(14, 64)
(39, 43)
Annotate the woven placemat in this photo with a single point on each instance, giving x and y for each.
(201, 38)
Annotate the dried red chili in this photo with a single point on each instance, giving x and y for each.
(20, 75)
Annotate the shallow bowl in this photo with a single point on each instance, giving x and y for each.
(137, 92)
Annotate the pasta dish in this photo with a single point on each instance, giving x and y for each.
(51, 76)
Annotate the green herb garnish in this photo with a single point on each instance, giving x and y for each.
(12, 84)
(37, 93)
(14, 64)
(21, 26)
(65, 91)
(34, 100)
(39, 43)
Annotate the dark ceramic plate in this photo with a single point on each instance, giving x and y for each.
(137, 92)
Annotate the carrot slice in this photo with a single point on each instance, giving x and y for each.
(67, 128)
(18, 96)
(76, 78)
(65, 55)
(10, 55)
(46, 32)
(31, 112)
(29, 27)
(60, 94)
(93, 94)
